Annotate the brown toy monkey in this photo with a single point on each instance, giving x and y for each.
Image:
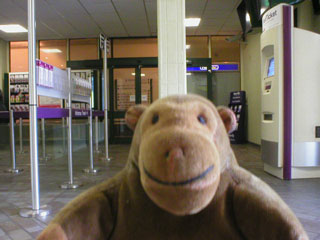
(182, 181)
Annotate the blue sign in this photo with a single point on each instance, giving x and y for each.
(215, 67)
(225, 67)
(196, 69)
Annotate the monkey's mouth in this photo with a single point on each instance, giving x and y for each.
(180, 183)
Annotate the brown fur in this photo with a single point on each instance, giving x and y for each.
(227, 203)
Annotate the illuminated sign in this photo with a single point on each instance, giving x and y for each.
(215, 67)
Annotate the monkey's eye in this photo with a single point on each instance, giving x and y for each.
(155, 119)
(202, 119)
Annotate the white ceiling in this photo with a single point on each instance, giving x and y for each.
(61, 19)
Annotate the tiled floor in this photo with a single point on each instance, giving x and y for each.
(303, 196)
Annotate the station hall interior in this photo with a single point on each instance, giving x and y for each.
(260, 58)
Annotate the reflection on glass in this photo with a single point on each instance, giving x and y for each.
(19, 56)
(83, 49)
(197, 47)
(54, 52)
(197, 83)
(224, 51)
(142, 47)
(124, 87)
(149, 82)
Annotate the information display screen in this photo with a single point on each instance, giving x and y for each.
(271, 67)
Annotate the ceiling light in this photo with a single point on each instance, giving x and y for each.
(262, 10)
(188, 74)
(192, 22)
(187, 46)
(142, 74)
(13, 28)
(51, 50)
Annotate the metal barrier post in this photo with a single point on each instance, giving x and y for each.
(12, 147)
(91, 168)
(35, 188)
(71, 184)
(63, 135)
(96, 128)
(20, 136)
(43, 139)
(63, 145)
(105, 72)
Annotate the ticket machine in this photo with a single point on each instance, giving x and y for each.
(290, 85)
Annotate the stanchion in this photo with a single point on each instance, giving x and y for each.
(45, 157)
(96, 128)
(36, 210)
(71, 184)
(106, 135)
(20, 137)
(12, 147)
(63, 135)
(91, 168)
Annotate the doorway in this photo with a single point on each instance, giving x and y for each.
(199, 77)
(131, 82)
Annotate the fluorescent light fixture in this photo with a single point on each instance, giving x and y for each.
(13, 28)
(192, 22)
(248, 18)
(187, 46)
(51, 50)
(188, 74)
(142, 74)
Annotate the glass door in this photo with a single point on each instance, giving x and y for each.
(131, 82)
(149, 85)
(197, 83)
(124, 96)
(199, 77)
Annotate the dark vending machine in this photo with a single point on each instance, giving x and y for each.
(238, 106)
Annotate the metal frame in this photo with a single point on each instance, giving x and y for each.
(106, 120)
(12, 146)
(21, 151)
(91, 169)
(36, 209)
(138, 64)
(44, 157)
(71, 184)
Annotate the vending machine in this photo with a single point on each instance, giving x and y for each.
(290, 83)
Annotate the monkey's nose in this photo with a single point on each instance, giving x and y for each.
(174, 155)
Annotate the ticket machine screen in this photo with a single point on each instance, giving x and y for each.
(271, 67)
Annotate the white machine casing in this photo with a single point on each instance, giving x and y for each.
(305, 65)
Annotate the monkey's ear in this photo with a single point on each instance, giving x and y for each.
(228, 118)
(133, 114)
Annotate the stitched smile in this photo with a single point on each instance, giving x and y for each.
(191, 180)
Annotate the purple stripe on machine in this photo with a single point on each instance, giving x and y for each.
(287, 94)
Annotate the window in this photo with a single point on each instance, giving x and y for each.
(54, 52)
(197, 47)
(19, 56)
(138, 47)
(224, 51)
(83, 49)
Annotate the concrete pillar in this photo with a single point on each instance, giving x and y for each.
(171, 47)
